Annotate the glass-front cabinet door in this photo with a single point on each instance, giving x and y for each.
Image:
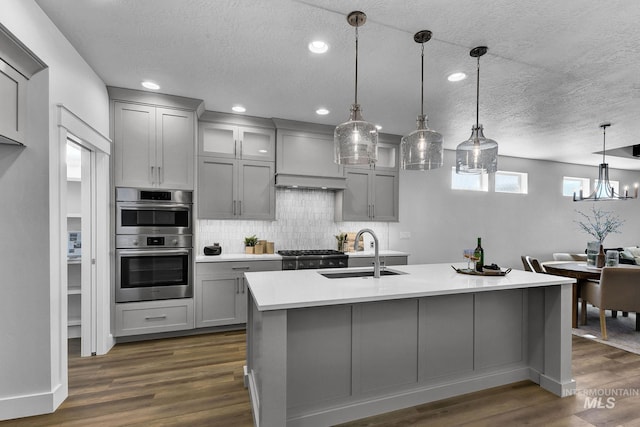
(257, 144)
(218, 140)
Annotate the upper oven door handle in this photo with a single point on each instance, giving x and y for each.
(152, 252)
(147, 206)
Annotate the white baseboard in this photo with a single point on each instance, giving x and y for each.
(31, 404)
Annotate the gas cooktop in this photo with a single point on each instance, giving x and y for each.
(313, 258)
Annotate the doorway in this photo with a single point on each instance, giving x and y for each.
(81, 258)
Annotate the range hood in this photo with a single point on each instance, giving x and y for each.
(304, 156)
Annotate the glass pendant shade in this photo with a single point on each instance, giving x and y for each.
(422, 148)
(477, 154)
(355, 141)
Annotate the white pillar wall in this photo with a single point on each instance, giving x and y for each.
(33, 371)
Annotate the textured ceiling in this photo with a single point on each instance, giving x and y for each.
(555, 69)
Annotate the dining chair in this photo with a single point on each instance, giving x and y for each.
(531, 264)
(618, 289)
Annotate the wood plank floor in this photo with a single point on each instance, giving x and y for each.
(197, 381)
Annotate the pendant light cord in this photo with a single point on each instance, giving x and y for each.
(604, 138)
(422, 84)
(356, 90)
(478, 96)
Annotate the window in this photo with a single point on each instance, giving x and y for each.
(572, 185)
(478, 182)
(614, 184)
(512, 182)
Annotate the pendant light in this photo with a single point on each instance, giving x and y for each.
(604, 190)
(477, 154)
(356, 140)
(422, 148)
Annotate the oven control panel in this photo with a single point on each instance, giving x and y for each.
(133, 241)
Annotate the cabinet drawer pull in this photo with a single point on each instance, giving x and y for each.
(241, 268)
(161, 317)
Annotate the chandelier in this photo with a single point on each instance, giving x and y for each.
(604, 190)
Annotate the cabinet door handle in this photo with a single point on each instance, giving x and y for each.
(153, 177)
(240, 148)
(373, 210)
(244, 286)
(239, 207)
(234, 208)
(237, 286)
(160, 175)
(161, 317)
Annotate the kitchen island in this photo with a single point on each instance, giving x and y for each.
(321, 351)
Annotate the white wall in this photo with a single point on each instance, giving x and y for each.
(32, 361)
(442, 222)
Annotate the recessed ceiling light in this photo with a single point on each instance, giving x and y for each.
(318, 46)
(322, 111)
(239, 109)
(456, 77)
(150, 85)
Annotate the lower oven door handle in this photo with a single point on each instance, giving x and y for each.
(143, 206)
(152, 252)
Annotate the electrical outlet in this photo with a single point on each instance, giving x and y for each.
(371, 244)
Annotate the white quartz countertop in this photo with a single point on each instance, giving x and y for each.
(238, 257)
(277, 290)
(266, 257)
(370, 253)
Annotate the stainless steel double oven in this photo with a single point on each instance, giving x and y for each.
(154, 244)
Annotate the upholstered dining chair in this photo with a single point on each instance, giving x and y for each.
(618, 289)
(531, 264)
(525, 263)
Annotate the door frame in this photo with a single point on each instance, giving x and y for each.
(72, 127)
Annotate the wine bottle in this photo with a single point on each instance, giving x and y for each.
(478, 254)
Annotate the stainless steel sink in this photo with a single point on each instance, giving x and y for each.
(366, 273)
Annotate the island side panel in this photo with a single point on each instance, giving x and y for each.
(498, 321)
(558, 376)
(446, 346)
(267, 365)
(318, 357)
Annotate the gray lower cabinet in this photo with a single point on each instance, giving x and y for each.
(147, 317)
(235, 189)
(221, 291)
(371, 195)
(367, 261)
(154, 146)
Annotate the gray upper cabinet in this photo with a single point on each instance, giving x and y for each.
(372, 192)
(154, 146)
(236, 168)
(236, 142)
(305, 156)
(13, 89)
(154, 138)
(235, 189)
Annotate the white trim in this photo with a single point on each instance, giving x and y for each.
(82, 130)
(69, 125)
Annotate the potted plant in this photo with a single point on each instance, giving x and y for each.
(250, 243)
(599, 223)
(342, 239)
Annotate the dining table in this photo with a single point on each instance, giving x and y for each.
(575, 270)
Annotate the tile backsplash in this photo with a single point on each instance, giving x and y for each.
(304, 220)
